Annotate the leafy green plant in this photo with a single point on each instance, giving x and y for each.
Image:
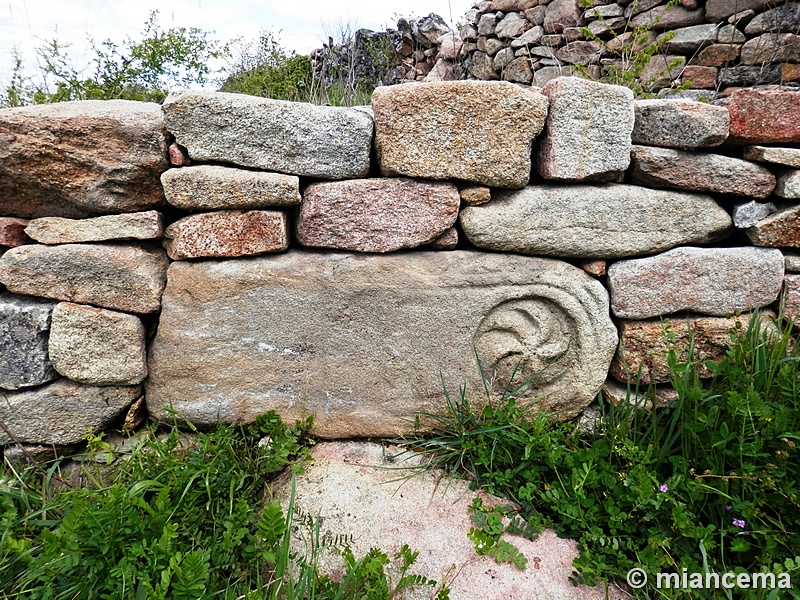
(709, 482)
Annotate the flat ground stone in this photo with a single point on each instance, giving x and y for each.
(477, 131)
(679, 124)
(644, 345)
(748, 214)
(779, 230)
(376, 215)
(352, 488)
(78, 159)
(24, 327)
(791, 288)
(764, 116)
(666, 167)
(227, 233)
(296, 138)
(121, 277)
(789, 185)
(593, 221)
(97, 346)
(780, 156)
(588, 132)
(12, 232)
(63, 412)
(361, 341)
(212, 187)
(131, 226)
(712, 281)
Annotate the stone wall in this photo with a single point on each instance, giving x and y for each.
(708, 45)
(225, 255)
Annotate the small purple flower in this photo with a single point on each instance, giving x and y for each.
(664, 488)
(738, 523)
(727, 507)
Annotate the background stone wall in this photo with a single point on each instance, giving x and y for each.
(224, 255)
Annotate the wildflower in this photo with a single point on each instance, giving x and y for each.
(664, 487)
(738, 523)
(727, 507)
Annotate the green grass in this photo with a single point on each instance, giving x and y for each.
(708, 483)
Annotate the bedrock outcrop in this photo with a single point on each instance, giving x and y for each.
(364, 342)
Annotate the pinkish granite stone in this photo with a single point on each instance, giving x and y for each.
(12, 232)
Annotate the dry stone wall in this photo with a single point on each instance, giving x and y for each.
(224, 255)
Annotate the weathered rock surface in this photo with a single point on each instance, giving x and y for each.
(679, 124)
(376, 215)
(475, 194)
(476, 131)
(595, 268)
(792, 262)
(666, 167)
(447, 241)
(97, 346)
(296, 138)
(712, 281)
(121, 277)
(227, 233)
(24, 326)
(77, 159)
(771, 47)
(789, 184)
(748, 214)
(561, 14)
(588, 132)
(618, 393)
(717, 10)
(12, 232)
(777, 20)
(147, 225)
(63, 412)
(779, 230)
(353, 489)
(781, 156)
(791, 307)
(644, 345)
(689, 39)
(212, 187)
(764, 116)
(593, 221)
(361, 341)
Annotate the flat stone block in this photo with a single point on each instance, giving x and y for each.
(764, 116)
(679, 124)
(778, 230)
(362, 341)
(24, 327)
(147, 225)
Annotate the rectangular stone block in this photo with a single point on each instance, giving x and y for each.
(363, 342)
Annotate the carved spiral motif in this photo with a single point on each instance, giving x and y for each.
(529, 340)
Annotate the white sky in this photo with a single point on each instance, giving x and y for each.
(303, 24)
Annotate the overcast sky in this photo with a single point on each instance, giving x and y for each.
(303, 24)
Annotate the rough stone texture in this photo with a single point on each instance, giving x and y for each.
(447, 241)
(512, 26)
(617, 393)
(354, 490)
(770, 48)
(713, 281)
(77, 159)
(777, 20)
(580, 52)
(780, 156)
(519, 71)
(483, 131)
(644, 345)
(717, 55)
(700, 77)
(361, 341)
(593, 221)
(227, 233)
(63, 411)
(296, 138)
(178, 157)
(376, 215)
(595, 268)
(122, 277)
(530, 37)
(730, 35)
(544, 75)
(12, 232)
(662, 18)
(748, 214)
(679, 124)
(97, 346)
(475, 194)
(717, 10)
(588, 132)
(742, 75)
(764, 116)
(688, 40)
(661, 71)
(792, 262)
(789, 185)
(561, 14)
(665, 167)
(24, 326)
(130, 226)
(480, 66)
(780, 230)
(211, 187)
(792, 305)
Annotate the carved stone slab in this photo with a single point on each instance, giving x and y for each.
(364, 342)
